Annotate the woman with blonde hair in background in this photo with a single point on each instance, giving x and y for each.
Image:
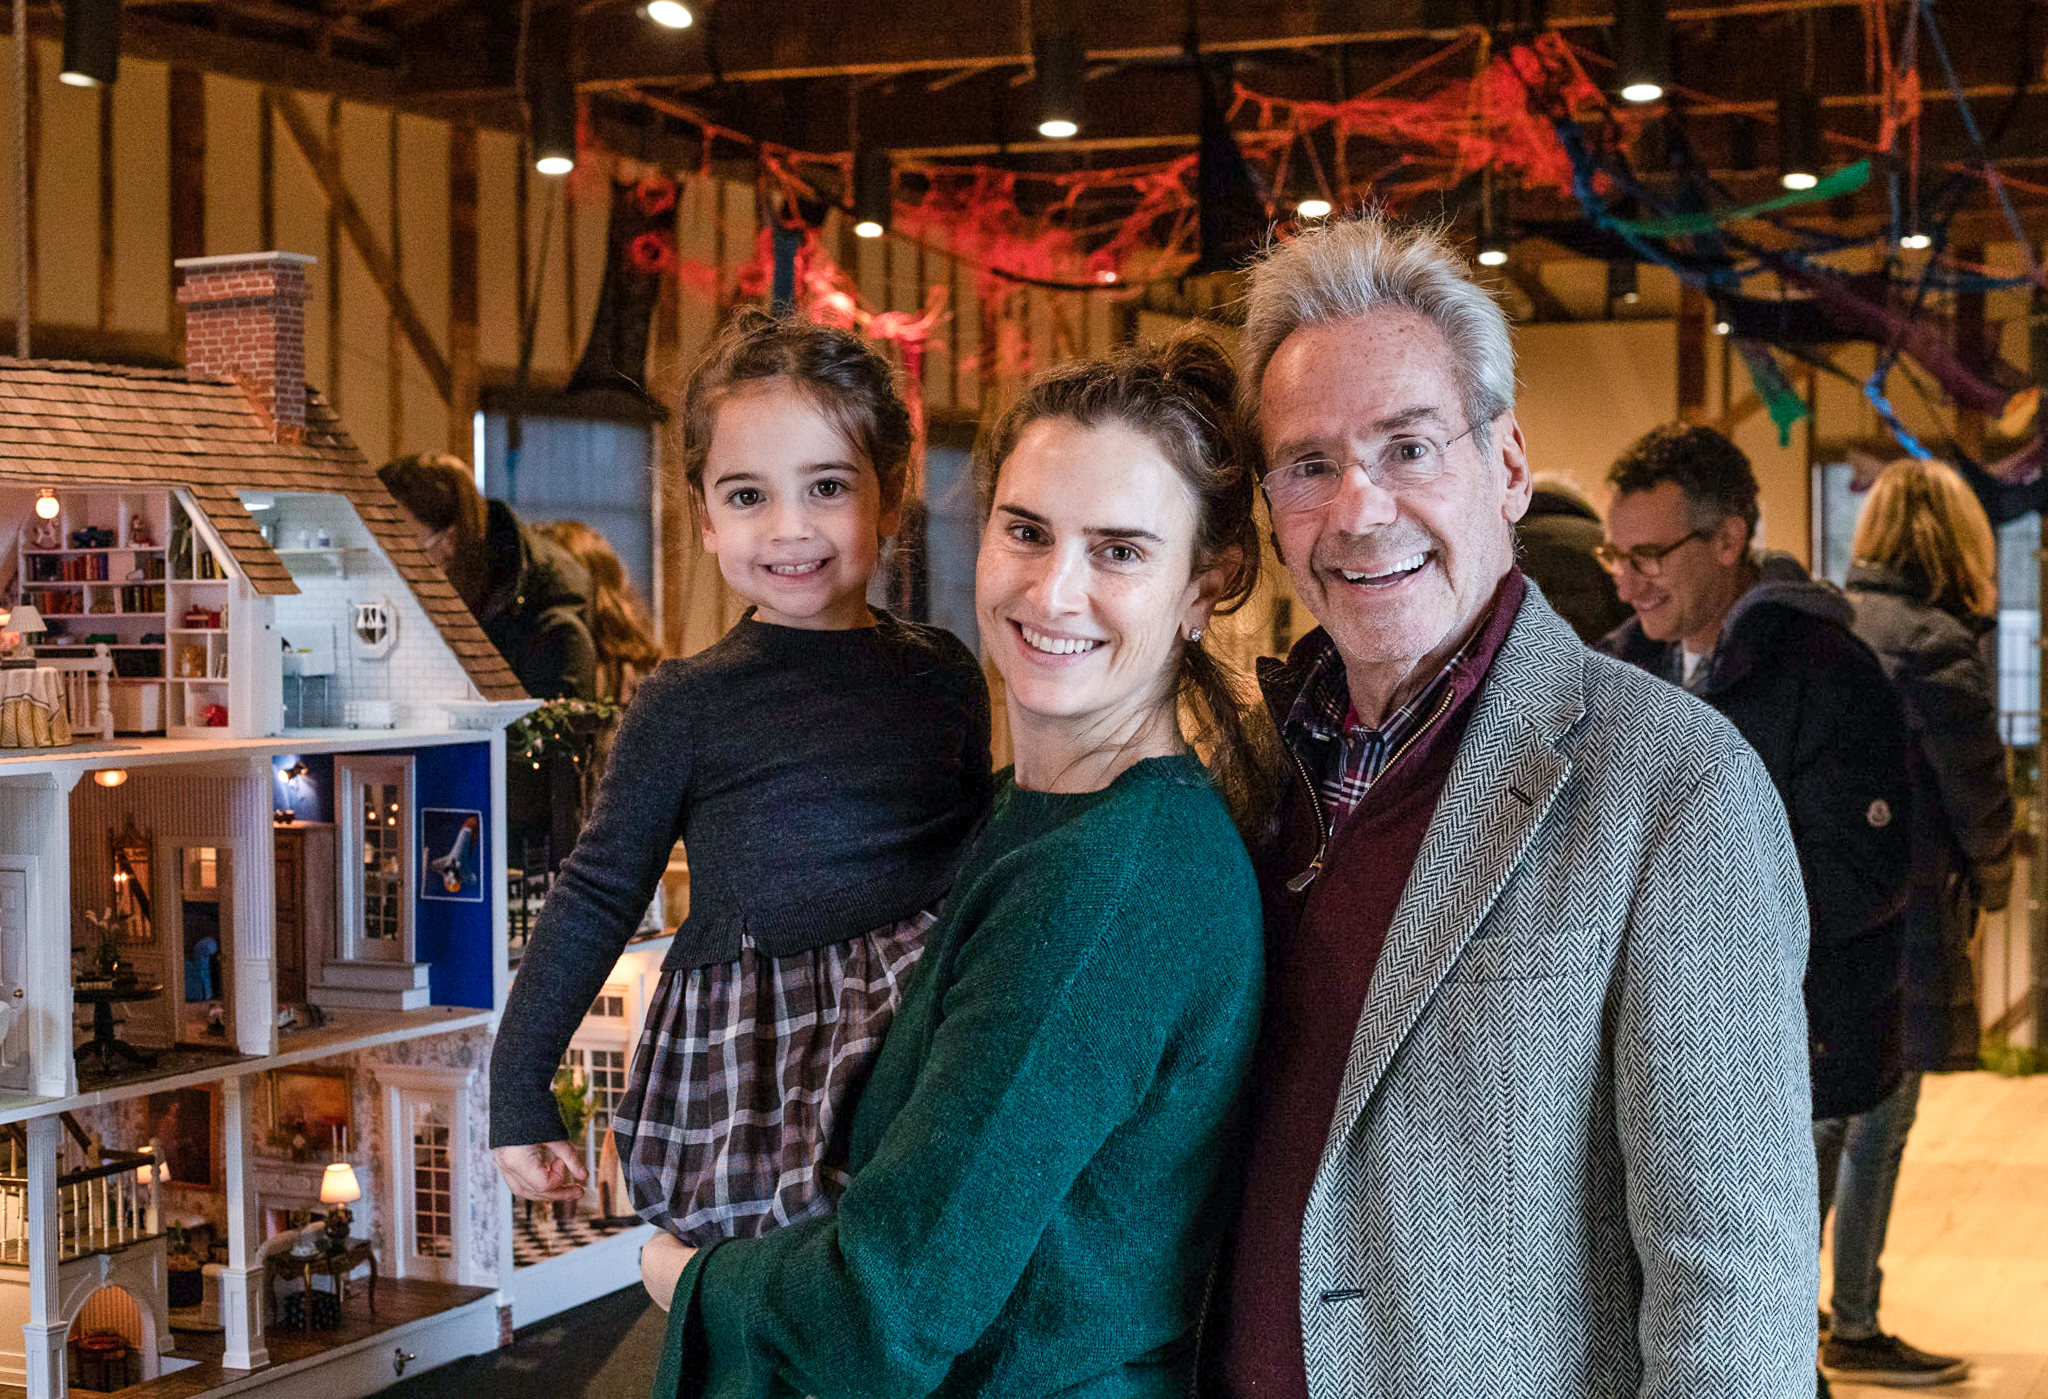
(620, 625)
(1924, 582)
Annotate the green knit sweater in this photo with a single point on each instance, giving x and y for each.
(1040, 1154)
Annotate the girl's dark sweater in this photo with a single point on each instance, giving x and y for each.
(823, 783)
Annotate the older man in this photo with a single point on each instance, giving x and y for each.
(1531, 1109)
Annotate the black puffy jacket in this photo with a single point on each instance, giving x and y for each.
(1962, 812)
(536, 609)
(1813, 701)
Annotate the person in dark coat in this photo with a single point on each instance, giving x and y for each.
(1924, 586)
(1555, 543)
(531, 597)
(528, 593)
(1773, 650)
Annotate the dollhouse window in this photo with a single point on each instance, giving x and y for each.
(376, 810)
(604, 1071)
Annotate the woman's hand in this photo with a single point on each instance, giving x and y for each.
(543, 1171)
(662, 1261)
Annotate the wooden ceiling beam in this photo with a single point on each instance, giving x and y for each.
(788, 39)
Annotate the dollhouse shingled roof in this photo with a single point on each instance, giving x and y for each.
(110, 424)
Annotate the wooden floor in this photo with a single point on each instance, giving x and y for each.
(399, 1300)
(1966, 1262)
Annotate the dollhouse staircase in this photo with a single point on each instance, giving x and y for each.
(370, 986)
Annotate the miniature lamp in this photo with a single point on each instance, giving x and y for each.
(23, 620)
(46, 504)
(338, 1187)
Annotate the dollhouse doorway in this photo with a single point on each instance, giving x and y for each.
(195, 897)
(113, 1342)
(426, 1124)
(17, 885)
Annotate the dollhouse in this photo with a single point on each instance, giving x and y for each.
(253, 925)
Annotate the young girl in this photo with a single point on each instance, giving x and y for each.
(823, 764)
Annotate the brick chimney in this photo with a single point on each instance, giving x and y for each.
(245, 319)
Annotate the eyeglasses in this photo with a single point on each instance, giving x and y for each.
(1646, 559)
(1399, 463)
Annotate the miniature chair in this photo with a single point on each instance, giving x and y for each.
(87, 706)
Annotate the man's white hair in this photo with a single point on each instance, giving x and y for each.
(1350, 268)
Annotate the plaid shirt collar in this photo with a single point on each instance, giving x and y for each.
(1325, 731)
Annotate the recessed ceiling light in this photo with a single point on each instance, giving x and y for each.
(669, 15)
(1313, 208)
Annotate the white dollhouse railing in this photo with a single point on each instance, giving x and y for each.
(88, 690)
(99, 1208)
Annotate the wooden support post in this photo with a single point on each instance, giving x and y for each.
(1971, 348)
(571, 321)
(333, 181)
(106, 269)
(462, 378)
(371, 249)
(187, 116)
(32, 289)
(1693, 311)
(266, 172)
(43, 1334)
(394, 333)
(243, 1283)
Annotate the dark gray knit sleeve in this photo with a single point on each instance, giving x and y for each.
(596, 904)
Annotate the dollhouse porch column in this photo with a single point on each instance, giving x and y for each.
(43, 1334)
(243, 1290)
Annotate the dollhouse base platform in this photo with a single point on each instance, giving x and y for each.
(430, 1322)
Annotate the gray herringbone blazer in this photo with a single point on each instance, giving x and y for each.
(1571, 1154)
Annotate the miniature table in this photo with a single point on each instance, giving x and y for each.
(104, 1042)
(335, 1265)
(32, 709)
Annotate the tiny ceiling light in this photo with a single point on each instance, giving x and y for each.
(110, 777)
(1058, 63)
(1916, 242)
(669, 15)
(1621, 282)
(92, 42)
(1313, 208)
(873, 193)
(1493, 222)
(1721, 327)
(1642, 42)
(46, 504)
(1798, 140)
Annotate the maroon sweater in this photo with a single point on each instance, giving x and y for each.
(1321, 947)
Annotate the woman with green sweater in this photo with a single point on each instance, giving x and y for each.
(1041, 1156)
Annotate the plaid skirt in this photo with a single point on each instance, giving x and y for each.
(735, 1116)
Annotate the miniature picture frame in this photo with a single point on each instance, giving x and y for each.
(312, 1104)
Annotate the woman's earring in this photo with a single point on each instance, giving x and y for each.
(1194, 633)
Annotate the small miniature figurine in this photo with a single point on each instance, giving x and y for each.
(45, 534)
(139, 536)
(191, 661)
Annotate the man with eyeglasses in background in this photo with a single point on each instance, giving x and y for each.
(1529, 1110)
(1758, 639)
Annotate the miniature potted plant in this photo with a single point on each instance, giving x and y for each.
(103, 962)
(572, 1100)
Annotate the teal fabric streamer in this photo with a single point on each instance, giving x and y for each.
(1784, 402)
(1847, 180)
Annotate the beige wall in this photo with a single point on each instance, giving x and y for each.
(1589, 388)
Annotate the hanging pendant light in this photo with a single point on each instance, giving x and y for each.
(1799, 140)
(92, 42)
(1493, 222)
(1642, 45)
(873, 193)
(1059, 64)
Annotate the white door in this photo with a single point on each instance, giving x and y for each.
(430, 1184)
(14, 935)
